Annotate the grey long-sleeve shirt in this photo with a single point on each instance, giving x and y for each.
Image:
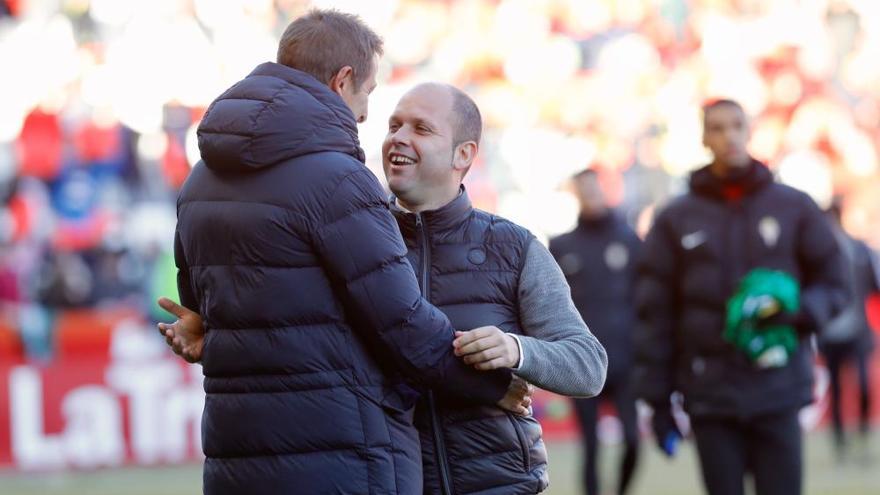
(558, 351)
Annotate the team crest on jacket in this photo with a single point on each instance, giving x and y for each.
(693, 240)
(769, 229)
(616, 256)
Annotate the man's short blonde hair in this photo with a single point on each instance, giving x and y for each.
(324, 41)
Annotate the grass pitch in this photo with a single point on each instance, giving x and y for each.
(858, 475)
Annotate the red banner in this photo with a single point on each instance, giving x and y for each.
(100, 412)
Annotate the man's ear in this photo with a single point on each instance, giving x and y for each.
(464, 155)
(342, 80)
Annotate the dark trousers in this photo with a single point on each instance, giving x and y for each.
(588, 416)
(836, 356)
(768, 447)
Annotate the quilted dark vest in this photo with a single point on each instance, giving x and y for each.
(468, 263)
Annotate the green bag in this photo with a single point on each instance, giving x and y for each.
(762, 293)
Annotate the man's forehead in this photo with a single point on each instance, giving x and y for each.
(424, 102)
(587, 178)
(724, 112)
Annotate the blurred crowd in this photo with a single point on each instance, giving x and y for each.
(101, 99)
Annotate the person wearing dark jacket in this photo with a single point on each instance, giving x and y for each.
(734, 219)
(848, 337)
(314, 324)
(481, 271)
(599, 260)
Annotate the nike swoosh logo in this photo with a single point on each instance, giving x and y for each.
(693, 240)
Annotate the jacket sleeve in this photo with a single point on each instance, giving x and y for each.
(361, 247)
(657, 306)
(560, 354)
(872, 275)
(184, 283)
(824, 290)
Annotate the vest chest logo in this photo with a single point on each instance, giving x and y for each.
(769, 229)
(616, 256)
(477, 256)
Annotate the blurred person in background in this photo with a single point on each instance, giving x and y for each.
(481, 271)
(734, 219)
(31, 271)
(63, 281)
(119, 276)
(848, 338)
(313, 319)
(11, 291)
(599, 260)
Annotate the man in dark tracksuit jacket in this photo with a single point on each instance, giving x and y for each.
(599, 260)
(734, 219)
(848, 338)
(286, 247)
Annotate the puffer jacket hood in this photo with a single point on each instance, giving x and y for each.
(271, 116)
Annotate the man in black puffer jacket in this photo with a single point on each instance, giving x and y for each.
(734, 219)
(599, 261)
(286, 247)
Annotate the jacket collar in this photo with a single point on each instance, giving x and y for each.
(275, 114)
(446, 217)
(597, 223)
(756, 176)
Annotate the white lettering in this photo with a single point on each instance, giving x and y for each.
(183, 418)
(31, 447)
(93, 434)
(165, 403)
(147, 385)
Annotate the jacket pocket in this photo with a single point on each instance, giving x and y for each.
(521, 440)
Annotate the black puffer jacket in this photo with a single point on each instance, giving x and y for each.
(468, 263)
(699, 248)
(599, 259)
(287, 248)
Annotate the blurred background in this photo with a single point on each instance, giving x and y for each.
(100, 100)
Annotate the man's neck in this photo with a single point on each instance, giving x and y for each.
(595, 214)
(435, 203)
(719, 169)
(727, 171)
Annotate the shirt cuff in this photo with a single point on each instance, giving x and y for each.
(520, 347)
